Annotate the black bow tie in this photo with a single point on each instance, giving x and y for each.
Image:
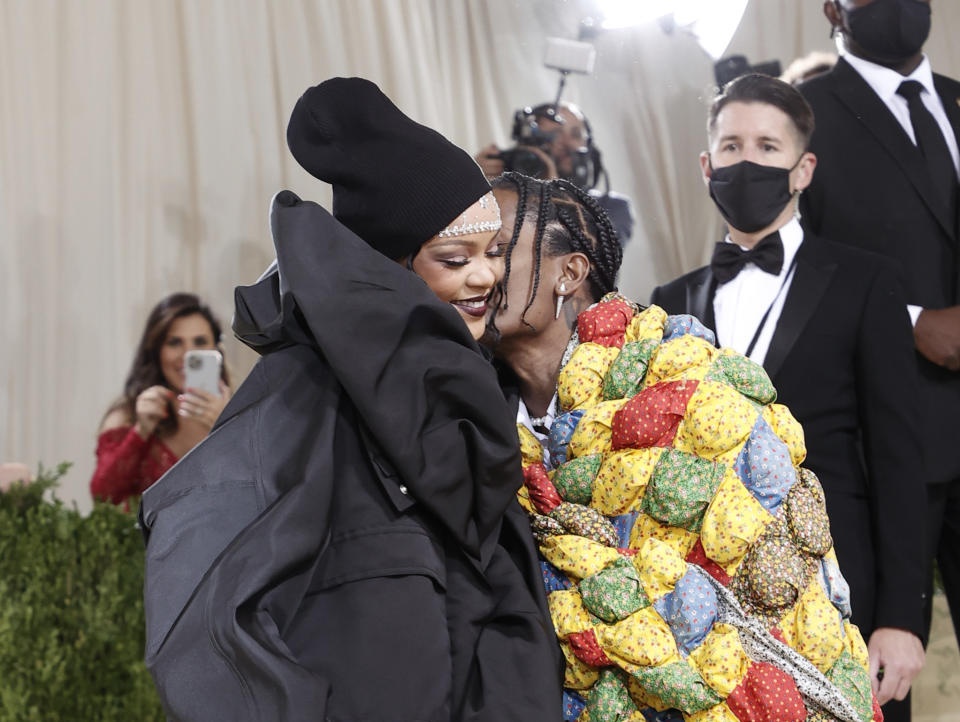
(729, 259)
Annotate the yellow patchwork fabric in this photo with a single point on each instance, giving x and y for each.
(578, 674)
(854, 643)
(717, 713)
(659, 567)
(646, 527)
(684, 357)
(721, 660)
(717, 423)
(818, 630)
(581, 380)
(647, 324)
(576, 555)
(733, 521)
(642, 639)
(622, 479)
(530, 450)
(788, 429)
(592, 435)
(568, 613)
(523, 496)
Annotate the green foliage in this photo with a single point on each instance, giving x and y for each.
(71, 610)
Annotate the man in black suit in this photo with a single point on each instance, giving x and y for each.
(887, 139)
(830, 326)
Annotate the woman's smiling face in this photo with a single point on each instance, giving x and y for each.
(464, 269)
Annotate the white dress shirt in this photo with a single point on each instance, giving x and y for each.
(885, 82)
(739, 304)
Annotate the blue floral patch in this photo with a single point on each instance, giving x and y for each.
(687, 325)
(560, 434)
(836, 587)
(690, 609)
(765, 467)
(573, 705)
(553, 579)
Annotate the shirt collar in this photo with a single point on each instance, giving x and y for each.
(885, 81)
(791, 236)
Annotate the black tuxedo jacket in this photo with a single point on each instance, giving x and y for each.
(871, 190)
(841, 358)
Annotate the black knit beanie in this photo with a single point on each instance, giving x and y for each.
(396, 183)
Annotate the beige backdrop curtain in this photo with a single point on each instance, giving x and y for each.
(141, 142)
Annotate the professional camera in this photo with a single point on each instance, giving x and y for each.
(528, 135)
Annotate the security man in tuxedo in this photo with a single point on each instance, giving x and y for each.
(829, 324)
(887, 139)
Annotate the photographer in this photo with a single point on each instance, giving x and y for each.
(554, 141)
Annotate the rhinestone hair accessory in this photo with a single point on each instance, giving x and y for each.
(482, 216)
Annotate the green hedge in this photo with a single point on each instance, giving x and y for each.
(71, 611)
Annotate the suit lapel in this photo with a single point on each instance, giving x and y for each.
(951, 104)
(700, 298)
(860, 99)
(810, 280)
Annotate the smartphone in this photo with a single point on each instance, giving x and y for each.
(202, 370)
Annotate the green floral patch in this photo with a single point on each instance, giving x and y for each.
(614, 592)
(678, 685)
(627, 371)
(746, 376)
(854, 681)
(574, 480)
(680, 489)
(609, 700)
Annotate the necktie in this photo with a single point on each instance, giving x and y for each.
(729, 259)
(930, 141)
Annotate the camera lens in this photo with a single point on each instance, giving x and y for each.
(195, 362)
(526, 162)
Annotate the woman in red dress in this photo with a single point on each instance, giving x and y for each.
(157, 420)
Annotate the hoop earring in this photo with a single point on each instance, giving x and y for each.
(560, 299)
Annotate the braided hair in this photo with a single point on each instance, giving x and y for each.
(568, 220)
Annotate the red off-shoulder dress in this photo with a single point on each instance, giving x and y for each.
(127, 464)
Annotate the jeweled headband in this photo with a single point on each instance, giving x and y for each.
(482, 216)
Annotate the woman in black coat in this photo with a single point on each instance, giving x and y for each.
(346, 544)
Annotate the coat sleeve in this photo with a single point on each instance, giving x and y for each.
(410, 367)
(887, 387)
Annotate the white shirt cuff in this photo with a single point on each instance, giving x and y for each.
(914, 312)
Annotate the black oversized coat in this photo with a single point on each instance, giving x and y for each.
(346, 544)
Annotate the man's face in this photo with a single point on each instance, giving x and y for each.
(756, 132)
(891, 36)
(568, 138)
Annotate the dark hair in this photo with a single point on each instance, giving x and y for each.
(757, 88)
(145, 370)
(568, 220)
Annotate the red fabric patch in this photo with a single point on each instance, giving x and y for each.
(625, 552)
(543, 493)
(767, 694)
(877, 712)
(699, 557)
(605, 323)
(778, 633)
(651, 417)
(586, 647)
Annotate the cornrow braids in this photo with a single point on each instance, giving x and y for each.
(589, 231)
(545, 196)
(519, 184)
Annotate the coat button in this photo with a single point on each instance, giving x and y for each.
(403, 489)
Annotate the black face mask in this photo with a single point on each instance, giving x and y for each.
(750, 196)
(890, 30)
